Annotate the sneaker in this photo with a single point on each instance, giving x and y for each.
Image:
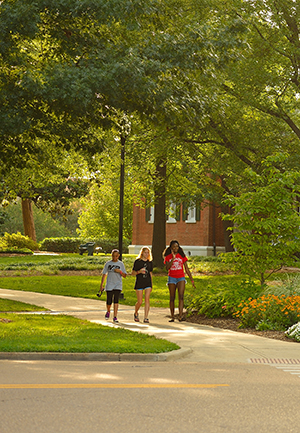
(107, 315)
(115, 320)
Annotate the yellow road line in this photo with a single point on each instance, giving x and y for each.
(106, 385)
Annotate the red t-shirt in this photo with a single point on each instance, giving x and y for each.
(176, 270)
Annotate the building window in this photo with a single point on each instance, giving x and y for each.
(150, 214)
(174, 213)
(191, 214)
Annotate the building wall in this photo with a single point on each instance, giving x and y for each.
(198, 237)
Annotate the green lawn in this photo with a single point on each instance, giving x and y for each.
(87, 286)
(15, 306)
(54, 263)
(44, 332)
(58, 333)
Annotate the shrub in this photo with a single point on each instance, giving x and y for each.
(17, 240)
(294, 332)
(109, 244)
(282, 311)
(289, 286)
(71, 245)
(15, 251)
(220, 301)
(61, 245)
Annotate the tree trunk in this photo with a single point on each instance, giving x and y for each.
(159, 226)
(28, 221)
(227, 233)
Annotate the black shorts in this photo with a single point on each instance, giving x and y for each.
(112, 295)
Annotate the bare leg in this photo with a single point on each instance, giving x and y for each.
(139, 295)
(181, 288)
(116, 306)
(172, 290)
(147, 301)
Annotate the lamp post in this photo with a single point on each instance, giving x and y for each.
(121, 205)
(125, 128)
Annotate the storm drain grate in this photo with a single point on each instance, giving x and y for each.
(275, 361)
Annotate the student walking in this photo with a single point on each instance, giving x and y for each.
(114, 270)
(142, 269)
(176, 265)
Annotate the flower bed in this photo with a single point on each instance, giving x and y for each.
(269, 312)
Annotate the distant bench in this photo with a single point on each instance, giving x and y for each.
(87, 247)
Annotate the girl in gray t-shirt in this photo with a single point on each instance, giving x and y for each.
(114, 270)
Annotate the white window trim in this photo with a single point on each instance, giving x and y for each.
(171, 219)
(151, 220)
(191, 215)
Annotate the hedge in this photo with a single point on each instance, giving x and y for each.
(71, 245)
(17, 240)
(15, 250)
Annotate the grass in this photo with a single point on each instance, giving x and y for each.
(87, 286)
(54, 263)
(59, 333)
(66, 334)
(16, 306)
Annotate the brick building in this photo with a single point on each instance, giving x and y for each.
(199, 231)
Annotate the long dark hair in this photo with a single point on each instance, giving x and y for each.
(168, 250)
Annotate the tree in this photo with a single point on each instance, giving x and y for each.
(100, 214)
(266, 231)
(52, 186)
(75, 64)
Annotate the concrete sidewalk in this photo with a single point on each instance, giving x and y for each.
(198, 343)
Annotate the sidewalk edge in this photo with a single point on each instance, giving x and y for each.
(102, 357)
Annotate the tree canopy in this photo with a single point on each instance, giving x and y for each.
(212, 89)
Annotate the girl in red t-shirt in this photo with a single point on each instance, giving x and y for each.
(176, 264)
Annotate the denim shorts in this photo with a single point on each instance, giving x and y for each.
(172, 280)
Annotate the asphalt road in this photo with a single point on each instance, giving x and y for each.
(225, 382)
(169, 397)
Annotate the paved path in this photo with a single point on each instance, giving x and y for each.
(198, 343)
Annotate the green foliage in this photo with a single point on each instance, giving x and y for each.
(285, 284)
(267, 325)
(71, 245)
(61, 245)
(278, 312)
(266, 230)
(108, 245)
(45, 225)
(15, 250)
(19, 241)
(220, 300)
(209, 264)
(99, 217)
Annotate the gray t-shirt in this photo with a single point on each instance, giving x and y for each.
(113, 279)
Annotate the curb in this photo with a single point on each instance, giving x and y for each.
(102, 357)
